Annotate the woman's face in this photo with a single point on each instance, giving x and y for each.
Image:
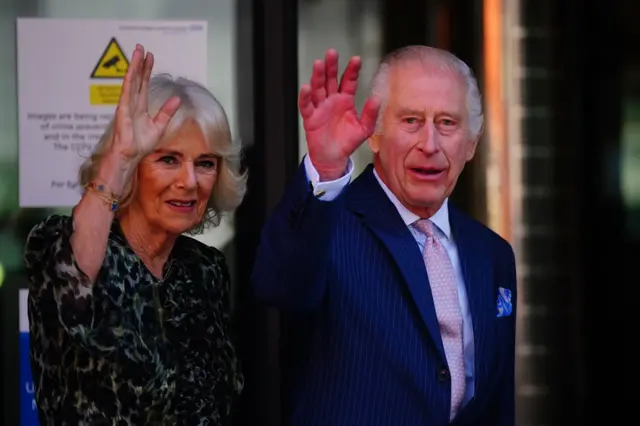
(175, 181)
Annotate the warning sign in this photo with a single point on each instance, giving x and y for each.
(113, 63)
(104, 94)
(60, 124)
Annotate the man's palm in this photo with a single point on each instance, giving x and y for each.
(332, 126)
(336, 123)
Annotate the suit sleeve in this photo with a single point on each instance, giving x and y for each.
(290, 271)
(506, 401)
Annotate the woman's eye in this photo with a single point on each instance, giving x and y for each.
(167, 159)
(208, 164)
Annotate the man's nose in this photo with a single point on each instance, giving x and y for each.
(429, 138)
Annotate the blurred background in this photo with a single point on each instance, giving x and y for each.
(557, 173)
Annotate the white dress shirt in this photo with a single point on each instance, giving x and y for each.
(328, 191)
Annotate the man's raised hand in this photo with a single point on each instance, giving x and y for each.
(333, 128)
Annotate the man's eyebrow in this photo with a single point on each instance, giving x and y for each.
(451, 114)
(410, 111)
(414, 111)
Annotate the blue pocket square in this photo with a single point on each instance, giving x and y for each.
(504, 302)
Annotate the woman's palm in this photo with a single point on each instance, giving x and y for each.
(142, 130)
(136, 131)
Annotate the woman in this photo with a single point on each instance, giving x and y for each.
(129, 319)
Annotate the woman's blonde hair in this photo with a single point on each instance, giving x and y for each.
(200, 105)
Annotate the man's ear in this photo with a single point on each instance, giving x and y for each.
(374, 143)
(473, 144)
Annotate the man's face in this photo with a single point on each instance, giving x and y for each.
(425, 140)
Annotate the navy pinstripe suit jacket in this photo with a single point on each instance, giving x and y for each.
(373, 354)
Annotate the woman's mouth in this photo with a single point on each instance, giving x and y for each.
(183, 206)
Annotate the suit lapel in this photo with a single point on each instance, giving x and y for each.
(476, 269)
(367, 199)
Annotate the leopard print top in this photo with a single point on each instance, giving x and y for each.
(130, 349)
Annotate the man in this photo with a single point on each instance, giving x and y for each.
(411, 302)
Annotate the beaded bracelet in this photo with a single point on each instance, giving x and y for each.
(109, 198)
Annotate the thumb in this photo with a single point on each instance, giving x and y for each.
(369, 115)
(166, 112)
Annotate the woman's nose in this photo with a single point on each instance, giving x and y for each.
(188, 176)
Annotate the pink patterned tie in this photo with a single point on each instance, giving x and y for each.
(445, 297)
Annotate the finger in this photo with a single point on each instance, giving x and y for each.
(349, 82)
(369, 115)
(305, 104)
(318, 80)
(144, 87)
(127, 83)
(166, 112)
(137, 71)
(331, 66)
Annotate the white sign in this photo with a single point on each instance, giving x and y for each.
(69, 79)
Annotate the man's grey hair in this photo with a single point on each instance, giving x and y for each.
(200, 105)
(429, 56)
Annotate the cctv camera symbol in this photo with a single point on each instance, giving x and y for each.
(113, 63)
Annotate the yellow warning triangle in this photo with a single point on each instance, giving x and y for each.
(113, 63)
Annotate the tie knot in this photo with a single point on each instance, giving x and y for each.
(426, 227)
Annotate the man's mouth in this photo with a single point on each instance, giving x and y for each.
(427, 171)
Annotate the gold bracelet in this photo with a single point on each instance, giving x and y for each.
(109, 198)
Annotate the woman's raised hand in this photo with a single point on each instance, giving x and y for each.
(135, 131)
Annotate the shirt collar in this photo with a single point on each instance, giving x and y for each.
(440, 218)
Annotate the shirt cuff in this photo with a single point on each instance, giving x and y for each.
(329, 190)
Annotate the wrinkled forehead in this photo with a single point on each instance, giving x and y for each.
(430, 86)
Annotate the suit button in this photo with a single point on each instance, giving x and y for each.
(443, 374)
(294, 216)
